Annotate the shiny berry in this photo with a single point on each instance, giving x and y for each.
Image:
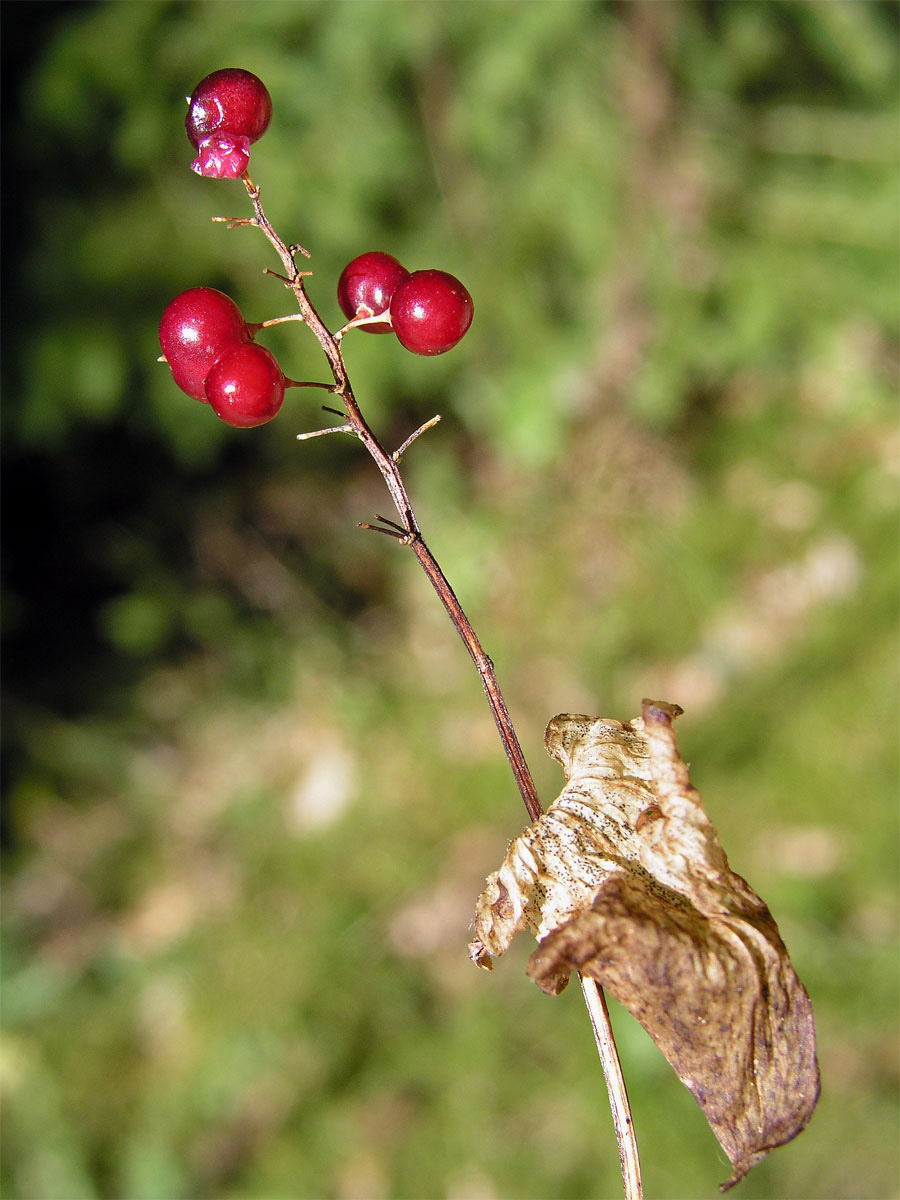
(366, 286)
(245, 386)
(194, 330)
(228, 101)
(430, 312)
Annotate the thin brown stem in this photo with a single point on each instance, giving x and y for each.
(388, 465)
(486, 673)
(407, 532)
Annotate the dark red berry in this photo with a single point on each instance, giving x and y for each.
(430, 312)
(366, 286)
(194, 330)
(228, 101)
(245, 386)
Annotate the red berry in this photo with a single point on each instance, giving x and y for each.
(430, 312)
(194, 330)
(366, 286)
(245, 386)
(228, 101)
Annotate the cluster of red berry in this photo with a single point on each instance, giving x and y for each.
(428, 310)
(209, 348)
(205, 340)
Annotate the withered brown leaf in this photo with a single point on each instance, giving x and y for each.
(624, 879)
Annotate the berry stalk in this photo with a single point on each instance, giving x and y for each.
(408, 533)
(433, 332)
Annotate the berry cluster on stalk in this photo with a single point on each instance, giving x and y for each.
(213, 356)
(209, 346)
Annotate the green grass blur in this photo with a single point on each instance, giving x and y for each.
(251, 785)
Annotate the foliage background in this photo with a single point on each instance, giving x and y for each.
(251, 786)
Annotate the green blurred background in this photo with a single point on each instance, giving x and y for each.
(251, 785)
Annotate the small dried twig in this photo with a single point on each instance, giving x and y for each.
(388, 521)
(287, 280)
(401, 537)
(314, 433)
(234, 222)
(276, 321)
(357, 323)
(309, 383)
(398, 453)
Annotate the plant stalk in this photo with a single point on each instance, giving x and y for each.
(615, 1086)
(410, 534)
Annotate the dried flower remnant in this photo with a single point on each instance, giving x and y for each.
(624, 880)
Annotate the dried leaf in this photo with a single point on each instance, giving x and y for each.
(624, 879)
